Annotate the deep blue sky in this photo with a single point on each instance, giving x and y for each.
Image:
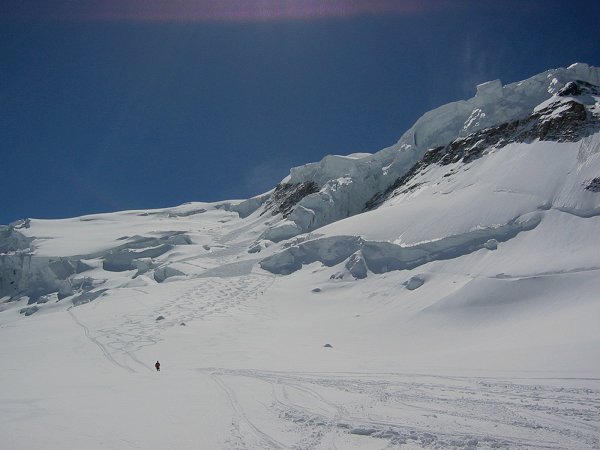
(129, 113)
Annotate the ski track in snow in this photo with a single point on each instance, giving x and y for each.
(314, 410)
(421, 410)
(506, 193)
(325, 410)
(107, 354)
(209, 297)
(304, 411)
(242, 426)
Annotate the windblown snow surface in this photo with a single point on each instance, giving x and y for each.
(459, 309)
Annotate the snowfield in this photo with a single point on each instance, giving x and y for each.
(459, 310)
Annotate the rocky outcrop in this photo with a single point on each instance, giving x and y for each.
(287, 195)
(594, 185)
(562, 120)
(577, 88)
(558, 105)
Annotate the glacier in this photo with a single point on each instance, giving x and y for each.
(438, 293)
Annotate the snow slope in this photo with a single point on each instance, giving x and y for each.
(457, 309)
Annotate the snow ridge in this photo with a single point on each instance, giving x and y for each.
(348, 184)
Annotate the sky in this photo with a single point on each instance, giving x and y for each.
(129, 104)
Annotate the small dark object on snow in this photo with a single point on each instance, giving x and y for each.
(182, 324)
(157, 365)
(160, 318)
(328, 346)
(316, 289)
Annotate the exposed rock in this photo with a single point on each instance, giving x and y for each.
(577, 88)
(570, 89)
(560, 121)
(160, 318)
(328, 346)
(594, 185)
(431, 157)
(287, 195)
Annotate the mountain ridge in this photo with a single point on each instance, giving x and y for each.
(459, 310)
(559, 105)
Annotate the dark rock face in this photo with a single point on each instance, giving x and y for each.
(570, 89)
(578, 87)
(594, 185)
(561, 121)
(569, 124)
(431, 157)
(287, 195)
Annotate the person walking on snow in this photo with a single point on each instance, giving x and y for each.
(157, 365)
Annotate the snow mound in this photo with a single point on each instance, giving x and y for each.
(414, 282)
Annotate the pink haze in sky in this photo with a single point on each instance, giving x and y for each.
(218, 10)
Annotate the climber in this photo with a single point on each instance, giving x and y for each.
(157, 365)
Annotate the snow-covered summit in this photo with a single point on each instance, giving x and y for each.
(492, 105)
(345, 186)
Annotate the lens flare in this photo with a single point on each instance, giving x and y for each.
(215, 10)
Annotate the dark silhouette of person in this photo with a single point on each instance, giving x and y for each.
(157, 365)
